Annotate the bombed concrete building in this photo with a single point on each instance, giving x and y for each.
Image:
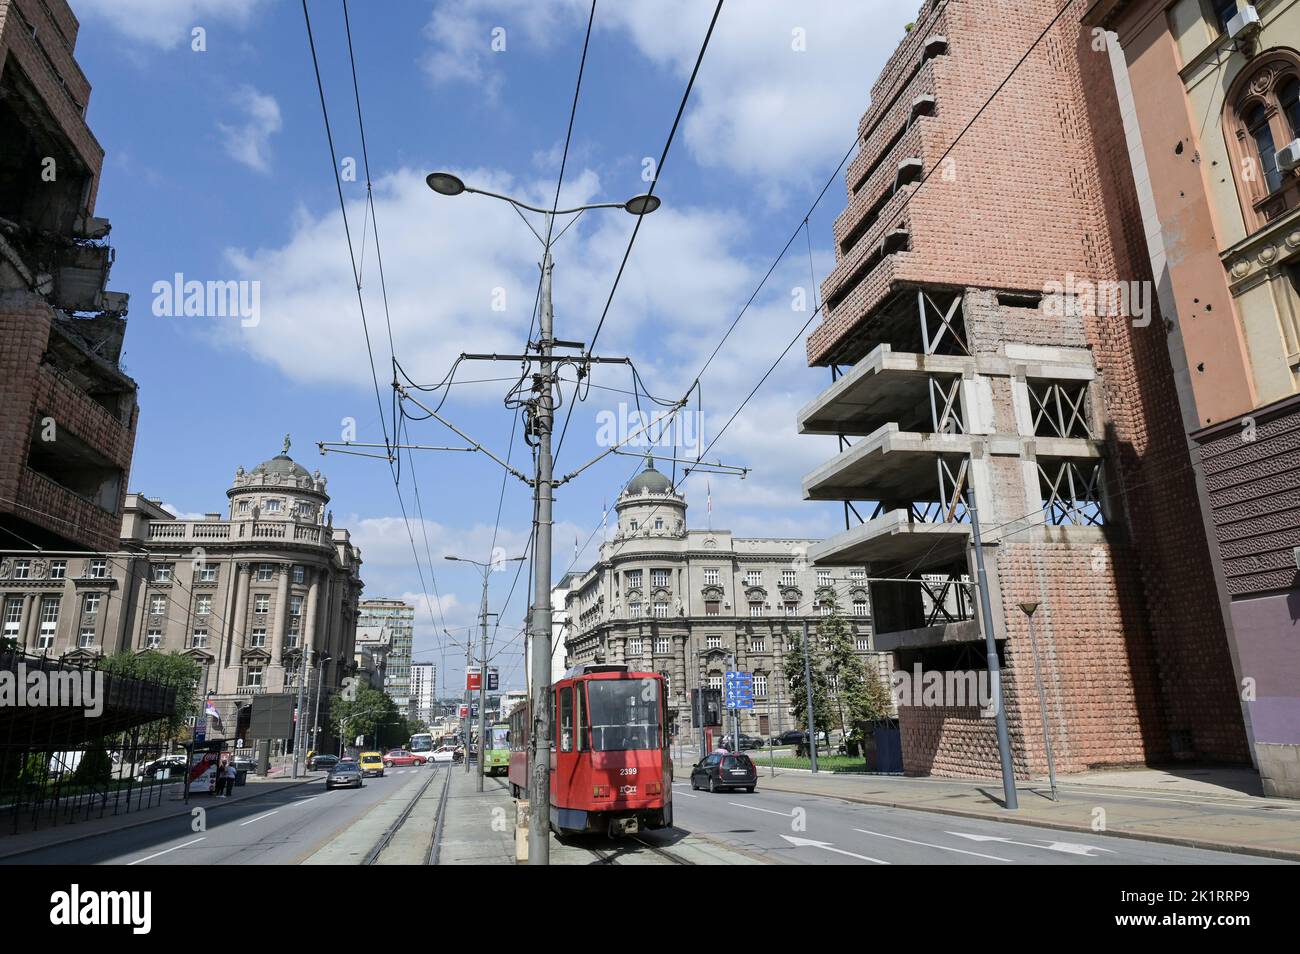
(992, 338)
(67, 410)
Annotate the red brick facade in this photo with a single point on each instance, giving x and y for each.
(1133, 645)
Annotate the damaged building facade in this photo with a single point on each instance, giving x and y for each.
(992, 338)
(1211, 97)
(67, 410)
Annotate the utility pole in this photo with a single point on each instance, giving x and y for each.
(991, 650)
(320, 685)
(1028, 609)
(482, 690)
(808, 688)
(539, 825)
(466, 724)
(298, 718)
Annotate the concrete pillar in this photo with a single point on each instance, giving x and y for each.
(309, 617)
(27, 632)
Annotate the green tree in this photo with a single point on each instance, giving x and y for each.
(857, 694)
(95, 767)
(794, 678)
(370, 713)
(180, 672)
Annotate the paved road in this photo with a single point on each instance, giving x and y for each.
(280, 828)
(785, 828)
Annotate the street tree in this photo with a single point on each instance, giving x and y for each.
(823, 716)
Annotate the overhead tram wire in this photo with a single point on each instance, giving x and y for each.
(636, 229)
(356, 274)
(907, 200)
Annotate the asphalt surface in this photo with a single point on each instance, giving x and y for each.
(786, 828)
(282, 828)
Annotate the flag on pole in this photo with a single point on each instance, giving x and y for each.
(604, 520)
(210, 709)
(709, 499)
(575, 546)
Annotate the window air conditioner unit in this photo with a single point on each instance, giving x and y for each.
(1288, 157)
(1245, 24)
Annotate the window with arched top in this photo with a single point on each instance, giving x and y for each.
(1261, 116)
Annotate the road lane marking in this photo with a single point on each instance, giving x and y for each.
(1064, 847)
(167, 850)
(924, 844)
(827, 846)
(302, 801)
(259, 818)
(688, 794)
(768, 811)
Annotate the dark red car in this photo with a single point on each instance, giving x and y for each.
(403, 757)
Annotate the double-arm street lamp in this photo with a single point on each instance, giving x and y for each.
(484, 569)
(542, 420)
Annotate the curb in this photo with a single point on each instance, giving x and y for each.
(148, 821)
(1280, 854)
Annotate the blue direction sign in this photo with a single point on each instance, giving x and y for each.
(738, 690)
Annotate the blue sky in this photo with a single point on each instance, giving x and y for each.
(217, 168)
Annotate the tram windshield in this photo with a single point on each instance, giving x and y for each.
(500, 737)
(624, 714)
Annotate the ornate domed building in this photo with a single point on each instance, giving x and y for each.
(681, 602)
(258, 596)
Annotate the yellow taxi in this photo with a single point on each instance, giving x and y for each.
(372, 763)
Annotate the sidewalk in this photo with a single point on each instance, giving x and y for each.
(1217, 809)
(172, 805)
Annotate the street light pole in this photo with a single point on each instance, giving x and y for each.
(298, 717)
(808, 688)
(1028, 609)
(539, 826)
(482, 687)
(991, 651)
(542, 423)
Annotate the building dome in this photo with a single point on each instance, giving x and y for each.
(283, 465)
(649, 480)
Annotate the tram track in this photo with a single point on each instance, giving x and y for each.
(386, 839)
(615, 856)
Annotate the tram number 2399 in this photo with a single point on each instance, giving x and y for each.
(627, 771)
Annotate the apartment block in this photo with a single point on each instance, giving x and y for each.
(67, 409)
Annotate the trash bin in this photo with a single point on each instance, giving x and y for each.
(241, 777)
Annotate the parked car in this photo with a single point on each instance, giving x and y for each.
(791, 737)
(371, 763)
(344, 775)
(175, 764)
(319, 763)
(746, 742)
(719, 771)
(448, 753)
(245, 763)
(403, 757)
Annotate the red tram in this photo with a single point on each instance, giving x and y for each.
(610, 765)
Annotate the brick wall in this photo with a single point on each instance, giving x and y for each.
(1040, 188)
(29, 390)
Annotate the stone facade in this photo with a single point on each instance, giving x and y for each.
(246, 595)
(668, 599)
(992, 297)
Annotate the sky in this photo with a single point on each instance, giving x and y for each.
(218, 169)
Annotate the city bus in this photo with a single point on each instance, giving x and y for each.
(421, 744)
(496, 760)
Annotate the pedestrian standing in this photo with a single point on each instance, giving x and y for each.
(231, 772)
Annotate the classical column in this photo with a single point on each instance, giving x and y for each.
(281, 613)
(242, 573)
(28, 631)
(309, 626)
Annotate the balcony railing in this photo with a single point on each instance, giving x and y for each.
(208, 530)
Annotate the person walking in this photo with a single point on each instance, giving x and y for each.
(230, 773)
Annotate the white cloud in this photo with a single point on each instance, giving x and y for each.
(249, 142)
(179, 515)
(759, 107)
(165, 24)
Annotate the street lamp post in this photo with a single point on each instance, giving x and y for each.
(485, 569)
(1028, 609)
(543, 420)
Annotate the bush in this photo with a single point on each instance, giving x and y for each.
(95, 767)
